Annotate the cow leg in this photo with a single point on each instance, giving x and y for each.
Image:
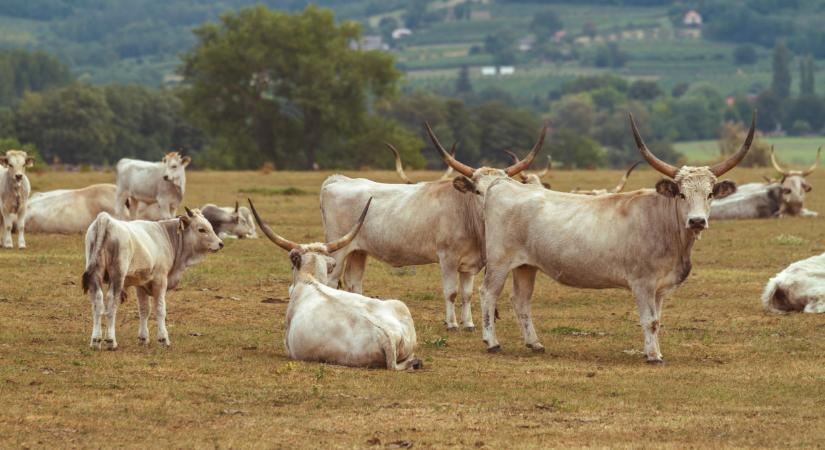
(646, 300)
(524, 279)
(160, 312)
(21, 228)
(491, 288)
(466, 280)
(7, 224)
(143, 311)
(133, 208)
(340, 258)
(96, 296)
(121, 199)
(112, 300)
(354, 272)
(449, 283)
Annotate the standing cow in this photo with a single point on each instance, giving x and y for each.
(161, 182)
(416, 224)
(14, 193)
(338, 327)
(151, 256)
(800, 287)
(638, 240)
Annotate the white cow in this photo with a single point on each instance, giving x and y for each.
(69, 210)
(14, 193)
(232, 223)
(162, 182)
(619, 187)
(795, 187)
(151, 256)
(338, 327)
(640, 240)
(800, 287)
(751, 201)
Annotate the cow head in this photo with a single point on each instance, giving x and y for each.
(239, 223)
(476, 181)
(174, 166)
(794, 185)
(197, 233)
(248, 222)
(312, 259)
(16, 161)
(694, 187)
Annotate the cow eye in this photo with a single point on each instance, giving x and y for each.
(174, 167)
(202, 230)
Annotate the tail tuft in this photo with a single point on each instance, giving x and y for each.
(86, 281)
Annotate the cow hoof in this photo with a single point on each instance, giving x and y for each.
(143, 341)
(95, 344)
(494, 349)
(111, 344)
(417, 364)
(657, 361)
(164, 342)
(537, 347)
(470, 328)
(452, 328)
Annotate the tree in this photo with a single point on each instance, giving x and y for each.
(545, 24)
(781, 83)
(745, 55)
(770, 108)
(733, 134)
(645, 90)
(806, 76)
(610, 55)
(679, 89)
(575, 113)
(573, 150)
(284, 83)
(463, 85)
(386, 26)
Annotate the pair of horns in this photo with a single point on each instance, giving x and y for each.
(399, 167)
(468, 171)
(620, 187)
(803, 173)
(671, 171)
(539, 174)
(331, 247)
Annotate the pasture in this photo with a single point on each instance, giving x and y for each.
(735, 375)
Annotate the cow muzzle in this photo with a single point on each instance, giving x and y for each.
(18, 177)
(697, 223)
(166, 178)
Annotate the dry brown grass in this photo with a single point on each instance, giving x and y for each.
(735, 376)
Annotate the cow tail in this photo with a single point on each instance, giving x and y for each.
(95, 249)
(775, 298)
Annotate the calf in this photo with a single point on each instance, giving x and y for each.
(14, 193)
(328, 325)
(800, 287)
(151, 256)
(161, 182)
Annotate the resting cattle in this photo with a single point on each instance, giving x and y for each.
(399, 167)
(800, 287)
(794, 188)
(162, 182)
(328, 325)
(230, 222)
(69, 210)
(619, 187)
(151, 256)
(750, 201)
(416, 224)
(14, 193)
(638, 240)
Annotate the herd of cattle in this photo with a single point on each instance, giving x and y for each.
(483, 218)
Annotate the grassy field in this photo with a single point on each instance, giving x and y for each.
(735, 375)
(800, 151)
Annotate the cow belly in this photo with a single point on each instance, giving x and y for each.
(51, 216)
(347, 340)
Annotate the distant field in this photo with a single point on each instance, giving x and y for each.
(789, 150)
(735, 376)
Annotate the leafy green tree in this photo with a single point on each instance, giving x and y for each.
(610, 55)
(745, 55)
(575, 113)
(645, 90)
(679, 89)
(806, 76)
(781, 83)
(463, 85)
(22, 71)
(770, 107)
(575, 151)
(291, 82)
(545, 24)
(386, 26)
(503, 127)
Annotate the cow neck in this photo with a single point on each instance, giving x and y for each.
(173, 232)
(685, 236)
(16, 189)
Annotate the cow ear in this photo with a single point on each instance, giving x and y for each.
(723, 188)
(546, 185)
(465, 185)
(186, 160)
(4, 161)
(295, 257)
(667, 187)
(184, 222)
(807, 187)
(29, 161)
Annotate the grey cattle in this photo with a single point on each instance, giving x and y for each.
(750, 201)
(800, 287)
(161, 182)
(69, 210)
(14, 194)
(795, 186)
(230, 222)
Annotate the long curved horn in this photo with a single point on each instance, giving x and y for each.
(661, 166)
(513, 156)
(285, 244)
(620, 186)
(525, 163)
(462, 168)
(399, 168)
(347, 238)
(736, 158)
(449, 172)
(236, 207)
(547, 167)
(811, 169)
(776, 164)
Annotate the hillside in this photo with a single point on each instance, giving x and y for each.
(139, 41)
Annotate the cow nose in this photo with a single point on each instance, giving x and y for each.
(697, 222)
(18, 176)
(166, 177)
(220, 245)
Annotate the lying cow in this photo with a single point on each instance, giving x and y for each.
(750, 201)
(338, 327)
(619, 187)
(151, 256)
(227, 222)
(416, 224)
(162, 182)
(794, 188)
(640, 240)
(69, 210)
(14, 194)
(800, 287)
(399, 167)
